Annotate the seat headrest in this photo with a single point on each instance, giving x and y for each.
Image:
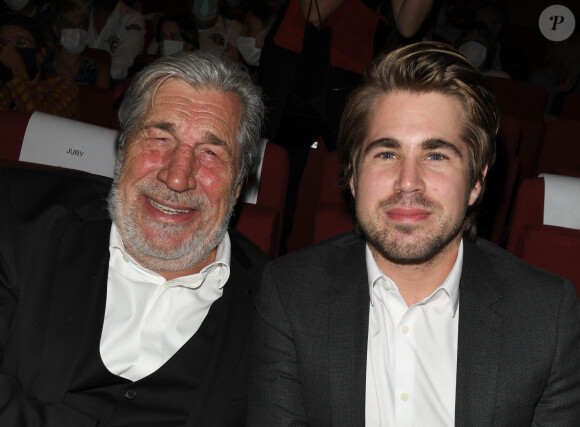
(252, 184)
(56, 141)
(561, 201)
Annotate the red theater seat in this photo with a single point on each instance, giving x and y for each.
(262, 222)
(556, 249)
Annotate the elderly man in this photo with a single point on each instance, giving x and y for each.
(142, 321)
(414, 321)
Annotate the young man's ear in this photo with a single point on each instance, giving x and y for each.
(352, 184)
(476, 190)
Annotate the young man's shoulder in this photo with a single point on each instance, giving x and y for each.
(327, 253)
(510, 274)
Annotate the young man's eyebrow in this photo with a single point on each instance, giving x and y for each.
(437, 143)
(383, 143)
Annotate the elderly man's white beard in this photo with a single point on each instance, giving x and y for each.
(150, 252)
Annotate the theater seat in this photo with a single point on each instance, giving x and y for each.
(261, 219)
(333, 210)
(546, 200)
(41, 139)
(96, 105)
(13, 125)
(571, 107)
(259, 224)
(560, 150)
(556, 249)
(307, 199)
(331, 220)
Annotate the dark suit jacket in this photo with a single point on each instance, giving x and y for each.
(518, 342)
(54, 238)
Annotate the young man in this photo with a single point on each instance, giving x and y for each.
(143, 321)
(414, 321)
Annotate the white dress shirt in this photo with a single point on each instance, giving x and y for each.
(148, 318)
(412, 353)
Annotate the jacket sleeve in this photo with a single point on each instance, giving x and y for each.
(559, 404)
(275, 388)
(17, 409)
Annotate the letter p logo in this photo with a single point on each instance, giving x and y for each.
(557, 23)
(556, 20)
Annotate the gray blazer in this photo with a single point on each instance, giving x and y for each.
(518, 361)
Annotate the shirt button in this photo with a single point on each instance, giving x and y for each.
(404, 397)
(130, 394)
(404, 329)
(386, 285)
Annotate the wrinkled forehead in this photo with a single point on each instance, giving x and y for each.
(192, 109)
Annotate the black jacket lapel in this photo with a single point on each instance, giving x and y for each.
(479, 342)
(347, 340)
(77, 299)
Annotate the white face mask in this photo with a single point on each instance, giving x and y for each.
(475, 52)
(16, 5)
(247, 48)
(74, 40)
(167, 47)
(205, 10)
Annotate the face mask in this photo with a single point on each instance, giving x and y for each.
(74, 40)
(170, 46)
(475, 52)
(247, 48)
(16, 5)
(29, 58)
(205, 10)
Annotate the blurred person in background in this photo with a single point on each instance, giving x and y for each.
(214, 29)
(24, 84)
(560, 73)
(258, 20)
(477, 43)
(70, 24)
(120, 30)
(175, 33)
(35, 9)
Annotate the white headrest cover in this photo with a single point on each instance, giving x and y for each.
(56, 141)
(561, 201)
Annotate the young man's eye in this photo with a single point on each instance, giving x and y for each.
(437, 156)
(386, 155)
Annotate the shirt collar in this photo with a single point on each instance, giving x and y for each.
(450, 285)
(219, 269)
